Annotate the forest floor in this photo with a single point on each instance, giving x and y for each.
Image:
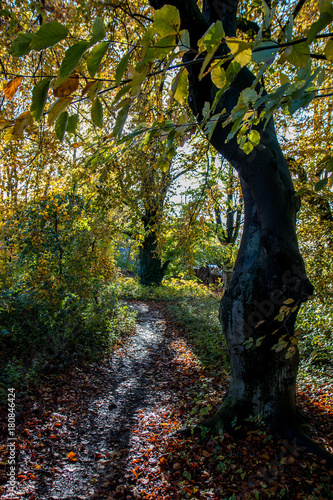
(105, 431)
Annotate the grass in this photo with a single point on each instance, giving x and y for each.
(195, 307)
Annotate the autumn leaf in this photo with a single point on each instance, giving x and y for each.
(67, 88)
(21, 123)
(71, 456)
(12, 87)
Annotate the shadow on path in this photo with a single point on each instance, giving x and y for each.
(105, 432)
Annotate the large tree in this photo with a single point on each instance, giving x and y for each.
(269, 273)
(233, 108)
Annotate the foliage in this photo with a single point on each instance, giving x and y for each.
(57, 306)
(316, 345)
(172, 289)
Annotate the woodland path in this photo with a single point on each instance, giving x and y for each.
(104, 432)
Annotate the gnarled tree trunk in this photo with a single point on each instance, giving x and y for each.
(269, 269)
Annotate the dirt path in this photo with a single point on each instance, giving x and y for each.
(107, 418)
(133, 388)
(104, 432)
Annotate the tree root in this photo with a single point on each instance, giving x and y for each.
(230, 419)
(303, 440)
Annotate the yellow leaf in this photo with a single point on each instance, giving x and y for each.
(68, 87)
(57, 108)
(77, 144)
(329, 50)
(218, 77)
(284, 78)
(8, 135)
(330, 181)
(241, 50)
(12, 87)
(22, 122)
(5, 123)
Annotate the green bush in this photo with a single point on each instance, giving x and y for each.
(316, 343)
(57, 306)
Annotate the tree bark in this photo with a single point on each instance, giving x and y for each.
(151, 270)
(269, 269)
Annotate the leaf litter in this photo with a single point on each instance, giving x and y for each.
(107, 430)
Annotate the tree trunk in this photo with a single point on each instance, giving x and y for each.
(269, 269)
(151, 270)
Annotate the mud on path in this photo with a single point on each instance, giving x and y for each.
(86, 438)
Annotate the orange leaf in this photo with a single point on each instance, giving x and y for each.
(163, 460)
(71, 455)
(68, 87)
(12, 87)
(38, 467)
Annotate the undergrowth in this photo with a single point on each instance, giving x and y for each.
(45, 337)
(196, 307)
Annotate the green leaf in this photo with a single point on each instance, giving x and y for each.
(21, 45)
(121, 119)
(209, 43)
(95, 57)
(122, 92)
(261, 56)
(72, 124)
(324, 20)
(57, 108)
(137, 79)
(212, 37)
(321, 184)
(97, 113)
(184, 41)
(218, 77)
(98, 30)
(121, 68)
(167, 21)
(164, 46)
(329, 50)
(180, 86)
(254, 137)
(241, 50)
(48, 35)
(72, 58)
(300, 55)
(61, 125)
(289, 29)
(326, 6)
(39, 97)
(247, 95)
(284, 78)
